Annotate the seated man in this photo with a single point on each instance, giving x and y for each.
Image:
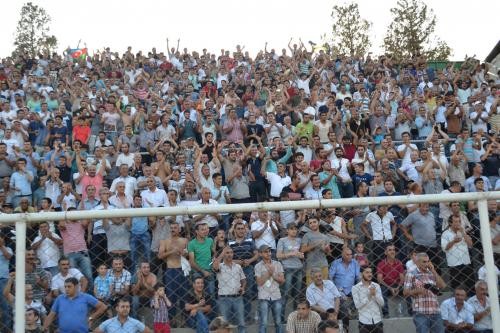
(457, 314)
(322, 294)
(57, 284)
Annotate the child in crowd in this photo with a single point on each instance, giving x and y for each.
(360, 255)
(102, 287)
(160, 304)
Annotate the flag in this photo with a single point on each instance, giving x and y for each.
(78, 53)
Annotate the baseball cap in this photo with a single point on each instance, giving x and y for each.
(264, 247)
(310, 111)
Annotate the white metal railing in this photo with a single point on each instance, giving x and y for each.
(482, 198)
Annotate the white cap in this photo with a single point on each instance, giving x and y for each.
(310, 111)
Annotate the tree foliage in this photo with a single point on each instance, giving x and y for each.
(32, 32)
(349, 31)
(411, 32)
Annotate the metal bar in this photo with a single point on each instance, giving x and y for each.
(19, 319)
(248, 207)
(491, 273)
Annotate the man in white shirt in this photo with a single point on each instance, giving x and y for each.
(322, 294)
(482, 310)
(367, 297)
(277, 180)
(212, 220)
(404, 150)
(65, 272)
(455, 243)
(130, 182)
(125, 157)
(264, 231)
(457, 314)
(46, 245)
(153, 196)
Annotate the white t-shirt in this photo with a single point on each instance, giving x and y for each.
(458, 254)
(406, 158)
(57, 282)
(267, 238)
(277, 183)
(48, 252)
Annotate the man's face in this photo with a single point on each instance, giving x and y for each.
(198, 285)
(367, 274)
(303, 310)
(460, 296)
(64, 266)
(145, 268)
(123, 309)
(318, 278)
(424, 209)
(70, 289)
(117, 265)
(390, 252)
(388, 186)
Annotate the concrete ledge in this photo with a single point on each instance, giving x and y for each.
(392, 325)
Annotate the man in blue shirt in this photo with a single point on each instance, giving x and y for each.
(72, 309)
(122, 322)
(345, 273)
(20, 182)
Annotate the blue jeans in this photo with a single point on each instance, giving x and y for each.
(250, 292)
(275, 306)
(428, 323)
(140, 244)
(232, 308)
(292, 286)
(199, 322)
(5, 308)
(176, 287)
(81, 260)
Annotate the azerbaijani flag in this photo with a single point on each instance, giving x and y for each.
(78, 53)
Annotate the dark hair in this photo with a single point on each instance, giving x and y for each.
(63, 258)
(324, 324)
(72, 280)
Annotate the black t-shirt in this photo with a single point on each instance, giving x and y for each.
(191, 298)
(491, 165)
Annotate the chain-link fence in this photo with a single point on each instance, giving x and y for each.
(372, 268)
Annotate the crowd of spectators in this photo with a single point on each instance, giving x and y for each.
(180, 128)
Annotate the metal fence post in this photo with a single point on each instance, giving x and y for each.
(491, 274)
(19, 319)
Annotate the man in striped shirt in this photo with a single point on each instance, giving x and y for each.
(423, 284)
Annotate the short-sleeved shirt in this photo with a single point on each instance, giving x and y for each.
(287, 245)
(191, 298)
(485, 323)
(324, 298)
(390, 271)
(72, 313)
(131, 325)
(270, 290)
(451, 314)
(229, 278)
(422, 228)
(57, 282)
(427, 303)
(381, 226)
(316, 257)
(202, 252)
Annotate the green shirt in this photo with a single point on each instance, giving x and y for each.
(202, 252)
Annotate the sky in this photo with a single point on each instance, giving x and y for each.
(222, 24)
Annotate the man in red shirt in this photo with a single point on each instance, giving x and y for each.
(390, 276)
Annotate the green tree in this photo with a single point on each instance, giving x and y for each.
(349, 31)
(411, 33)
(32, 32)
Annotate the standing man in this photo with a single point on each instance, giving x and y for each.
(303, 320)
(270, 276)
(171, 251)
(122, 322)
(368, 299)
(20, 182)
(200, 256)
(232, 283)
(6, 254)
(390, 275)
(423, 285)
(72, 309)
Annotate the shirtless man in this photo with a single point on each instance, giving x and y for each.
(143, 290)
(171, 251)
(161, 168)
